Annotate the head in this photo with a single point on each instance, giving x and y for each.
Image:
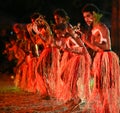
(34, 16)
(17, 28)
(60, 16)
(42, 25)
(60, 30)
(88, 13)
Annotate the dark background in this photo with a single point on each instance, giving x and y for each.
(20, 10)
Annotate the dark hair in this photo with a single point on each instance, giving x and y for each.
(35, 15)
(61, 12)
(90, 8)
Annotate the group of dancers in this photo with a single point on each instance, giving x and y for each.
(66, 63)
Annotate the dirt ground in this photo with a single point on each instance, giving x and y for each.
(13, 100)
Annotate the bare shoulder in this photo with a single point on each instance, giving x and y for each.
(102, 27)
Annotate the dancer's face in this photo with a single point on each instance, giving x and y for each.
(58, 19)
(16, 29)
(88, 17)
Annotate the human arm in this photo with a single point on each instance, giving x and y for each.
(89, 44)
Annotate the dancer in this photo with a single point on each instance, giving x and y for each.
(105, 67)
(62, 23)
(48, 61)
(35, 82)
(19, 52)
(72, 80)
